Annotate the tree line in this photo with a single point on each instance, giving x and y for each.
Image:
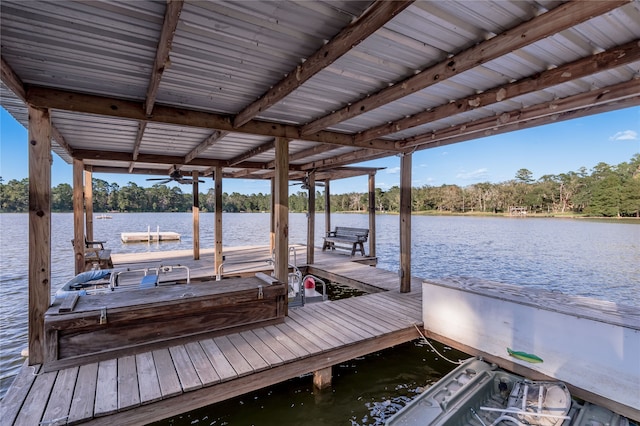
(606, 191)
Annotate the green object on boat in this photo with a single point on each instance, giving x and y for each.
(524, 356)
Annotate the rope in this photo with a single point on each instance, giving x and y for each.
(424, 338)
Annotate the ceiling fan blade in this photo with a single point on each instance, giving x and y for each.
(161, 181)
(156, 178)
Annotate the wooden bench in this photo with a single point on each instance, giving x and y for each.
(95, 253)
(100, 257)
(355, 237)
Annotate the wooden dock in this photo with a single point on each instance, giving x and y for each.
(159, 383)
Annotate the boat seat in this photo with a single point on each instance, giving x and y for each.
(149, 281)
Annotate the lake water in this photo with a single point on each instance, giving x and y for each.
(594, 258)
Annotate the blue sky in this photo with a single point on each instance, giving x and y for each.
(612, 138)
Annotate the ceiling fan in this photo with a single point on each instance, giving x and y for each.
(305, 183)
(175, 176)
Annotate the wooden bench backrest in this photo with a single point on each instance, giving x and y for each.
(352, 232)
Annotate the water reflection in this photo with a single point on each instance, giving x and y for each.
(364, 391)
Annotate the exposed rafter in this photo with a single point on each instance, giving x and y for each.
(607, 99)
(60, 140)
(612, 58)
(252, 152)
(142, 125)
(554, 21)
(162, 61)
(616, 92)
(204, 145)
(12, 81)
(373, 18)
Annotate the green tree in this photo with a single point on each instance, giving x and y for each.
(62, 198)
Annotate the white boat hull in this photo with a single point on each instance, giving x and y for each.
(593, 346)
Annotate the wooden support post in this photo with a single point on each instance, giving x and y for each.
(218, 218)
(405, 223)
(272, 224)
(39, 229)
(88, 202)
(282, 213)
(322, 378)
(311, 219)
(78, 211)
(196, 217)
(372, 214)
(327, 207)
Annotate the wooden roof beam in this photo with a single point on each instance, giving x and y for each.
(12, 81)
(110, 107)
(539, 121)
(162, 61)
(485, 126)
(204, 145)
(252, 153)
(314, 150)
(612, 58)
(86, 154)
(378, 14)
(142, 125)
(562, 17)
(449, 136)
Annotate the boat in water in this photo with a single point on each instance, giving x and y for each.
(477, 393)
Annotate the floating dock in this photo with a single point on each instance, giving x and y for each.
(140, 237)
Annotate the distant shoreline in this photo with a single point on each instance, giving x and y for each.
(416, 213)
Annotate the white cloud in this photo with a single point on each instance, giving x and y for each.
(393, 170)
(476, 174)
(627, 135)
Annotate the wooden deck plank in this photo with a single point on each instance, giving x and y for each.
(275, 345)
(107, 388)
(398, 306)
(187, 374)
(18, 391)
(372, 310)
(147, 378)
(128, 388)
(314, 329)
(304, 316)
(221, 364)
(392, 309)
(59, 404)
(365, 321)
(295, 348)
(84, 394)
(328, 310)
(262, 348)
(167, 375)
(355, 322)
(299, 337)
(201, 363)
(237, 361)
(248, 352)
(36, 401)
(330, 323)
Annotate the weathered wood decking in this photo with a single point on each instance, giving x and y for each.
(149, 386)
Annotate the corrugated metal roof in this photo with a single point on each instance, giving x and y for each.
(226, 55)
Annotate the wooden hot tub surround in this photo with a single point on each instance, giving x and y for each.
(133, 320)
